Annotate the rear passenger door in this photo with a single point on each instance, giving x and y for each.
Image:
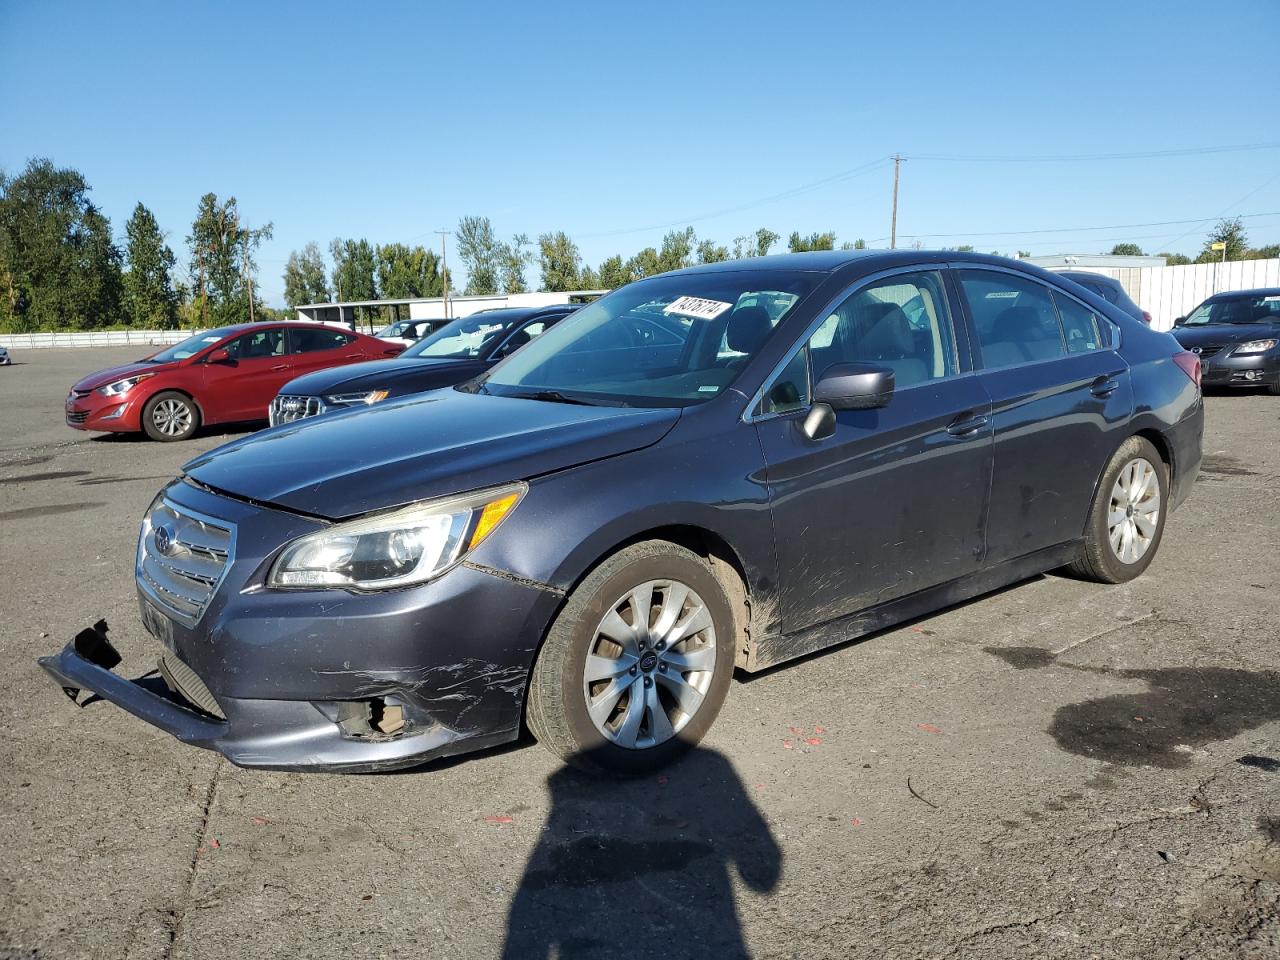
(894, 500)
(313, 348)
(1061, 402)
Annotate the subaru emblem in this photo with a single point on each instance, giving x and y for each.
(163, 539)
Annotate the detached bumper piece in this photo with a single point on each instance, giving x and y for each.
(366, 735)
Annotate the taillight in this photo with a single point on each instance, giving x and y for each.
(1146, 318)
(1189, 363)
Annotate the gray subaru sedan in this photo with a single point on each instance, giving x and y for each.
(719, 468)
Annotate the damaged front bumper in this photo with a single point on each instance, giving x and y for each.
(325, 680)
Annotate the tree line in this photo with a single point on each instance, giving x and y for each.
(61, 268)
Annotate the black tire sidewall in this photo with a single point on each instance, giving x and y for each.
(148, 427)
(593, 747)
(1134, 448)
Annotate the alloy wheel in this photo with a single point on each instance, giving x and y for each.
(650, 664)
(1134, 515)
(171, 417)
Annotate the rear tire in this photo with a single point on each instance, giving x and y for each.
(1126, 521)
(651, 696)
(170, 416)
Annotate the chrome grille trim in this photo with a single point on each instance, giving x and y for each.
(287, 408)
(183, 581)
(77, 416)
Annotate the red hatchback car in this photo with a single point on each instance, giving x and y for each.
(225, 375)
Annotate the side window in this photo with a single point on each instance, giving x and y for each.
(522, 336)
(1013, 316)
(260, 343)
(1079, 325)
(790, 389)
(901, 322)
(310, 339)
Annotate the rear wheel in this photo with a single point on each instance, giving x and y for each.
(636, 666)
(170, 416)
(1126, 521)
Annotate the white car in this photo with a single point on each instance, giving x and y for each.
(408, 331)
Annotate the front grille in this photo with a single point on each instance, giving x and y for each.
(286, 409)
(183, 681)
(77, 416)
(182, 557)
(80, 394)
(1206, 352)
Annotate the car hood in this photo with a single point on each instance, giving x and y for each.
(410, 375)
(1220, 333)
(101, 378)
(420, 447)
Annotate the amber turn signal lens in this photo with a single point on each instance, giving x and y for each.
(491, 516)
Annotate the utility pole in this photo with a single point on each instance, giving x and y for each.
(893, 228)
(444, 268)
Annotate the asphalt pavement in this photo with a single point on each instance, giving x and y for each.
(1059, 769)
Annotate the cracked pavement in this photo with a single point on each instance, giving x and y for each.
(1094, 771)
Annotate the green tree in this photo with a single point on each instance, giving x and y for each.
(560, 261)
(513, 258)
(613, 274)
(815, 241)
(405, 272)
(1230, 232)
(304, 276)
(1127, 250)
(861, 244)
(756, 244)
(1269, 252)
(149, 298)
(709, 252)
(1174, 259)
(355, 266)
(222, 265)
(480, 250)
(677, 250)
(646, 263)
(59, 268)
(590, 279)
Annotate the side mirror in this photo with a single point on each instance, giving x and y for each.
(854, 386)
(218, 356)
(1179, 321)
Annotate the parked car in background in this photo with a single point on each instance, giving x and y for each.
(1109, 289)
(5, 358)
(589, 537)
(224, 375)
(1236, 335)
(455, 352)
(405, 332)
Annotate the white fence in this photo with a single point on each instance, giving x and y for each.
(102, 338)
(1171, 292)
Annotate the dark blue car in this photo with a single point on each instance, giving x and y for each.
(724, 467)
(1236, 335)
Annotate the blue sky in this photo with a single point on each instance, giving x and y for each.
(615, 122)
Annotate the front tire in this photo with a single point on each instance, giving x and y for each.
(170, 416)
(636, 666)
(1126, 521)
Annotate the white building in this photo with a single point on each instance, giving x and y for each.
(436, 308)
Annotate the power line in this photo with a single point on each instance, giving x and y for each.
(1071, 158)
(862, 170)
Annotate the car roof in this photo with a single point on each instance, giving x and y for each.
(1085, 274)
(1245, 294)
(829, 261)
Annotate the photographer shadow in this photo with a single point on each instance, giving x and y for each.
(642, 867)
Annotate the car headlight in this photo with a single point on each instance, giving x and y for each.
(118, 387)
(396, 549)
(355, 399)
(1254, 346)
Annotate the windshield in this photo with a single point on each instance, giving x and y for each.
(190, 346)
(669, 341)
(467, 338)
(1253, 309)
(395, 330)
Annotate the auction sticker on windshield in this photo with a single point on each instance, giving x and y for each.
(697, 307)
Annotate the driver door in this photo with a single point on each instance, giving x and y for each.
(242, 387)
(895, 500)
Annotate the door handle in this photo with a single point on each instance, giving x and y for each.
(355, 356)
(1104, 387)
(277, 369)
(967, 425)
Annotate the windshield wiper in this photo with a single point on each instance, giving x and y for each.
(553, 396)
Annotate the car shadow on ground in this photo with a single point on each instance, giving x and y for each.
(224, 431)
(643, 867)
